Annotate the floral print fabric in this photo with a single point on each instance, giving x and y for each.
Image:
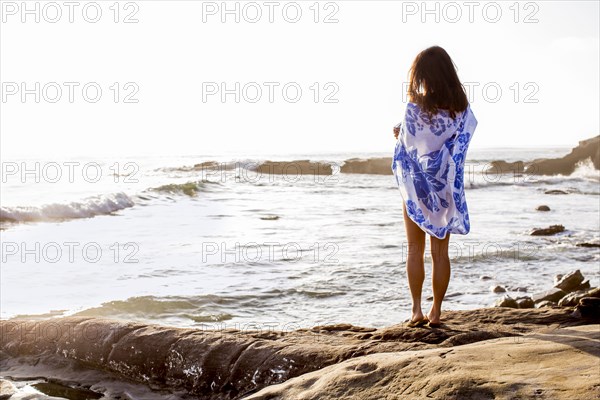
(428, 165)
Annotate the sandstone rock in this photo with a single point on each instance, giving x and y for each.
(570, 281)
(373, 166)
(228, 364)
(214, 165)
(572, 299)
(497, 289)
(589, 307)
(501, 167)
(525, 302)
(7, 389)
(587, 149)
(294, 169)
(543, 208)
(595, 292)
(556, 364)
(590, 301)
(551, 230)
(545, 303)
(506, 301)
(585, 285)
(554, 295)
(557, 278)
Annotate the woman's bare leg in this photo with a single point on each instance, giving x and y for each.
(415, 268)
(440, 276)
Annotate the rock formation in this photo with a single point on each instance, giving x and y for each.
(587, 149)
(232, 364)
(373, 166)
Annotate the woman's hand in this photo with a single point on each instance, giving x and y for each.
(397, 131)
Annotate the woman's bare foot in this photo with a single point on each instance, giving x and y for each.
(434, 316)
(417, 315)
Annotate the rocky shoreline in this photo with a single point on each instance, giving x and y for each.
(586, 149)
(570, 290)
(115, 358)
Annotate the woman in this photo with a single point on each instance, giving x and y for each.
(428, 164)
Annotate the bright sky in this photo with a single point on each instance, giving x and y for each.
(174, 60)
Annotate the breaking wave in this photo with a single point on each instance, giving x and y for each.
(90, 207)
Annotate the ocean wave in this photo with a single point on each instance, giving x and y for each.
(189, 188)
(485, 184)
(586, 170)
(152, 308)
(90, 207)
(583, 179)
(186, 310)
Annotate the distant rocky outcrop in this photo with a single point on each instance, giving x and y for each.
(503, 167)
(587, 149)
(293, 168)
(373, 166)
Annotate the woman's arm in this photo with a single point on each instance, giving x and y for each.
(397, 130)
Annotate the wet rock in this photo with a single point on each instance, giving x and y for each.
(525, 302)
(570, 281)
(506, 301)
(572, 299)
(543, 208)
(554, 295)
(485, 278)
(52, 388)
(551, 230)
(7, 389)
(589, 307)
(590, 301)
(270, 218)
(497, 289)
(586, 244)
(555, 191)
(545, 303)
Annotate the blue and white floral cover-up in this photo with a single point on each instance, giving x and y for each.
(428, 164)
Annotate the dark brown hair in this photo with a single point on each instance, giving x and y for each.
(434, 83)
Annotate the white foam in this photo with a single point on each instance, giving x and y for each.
(90, 207)
(585, 169)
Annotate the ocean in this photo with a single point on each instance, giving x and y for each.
(153, 239)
